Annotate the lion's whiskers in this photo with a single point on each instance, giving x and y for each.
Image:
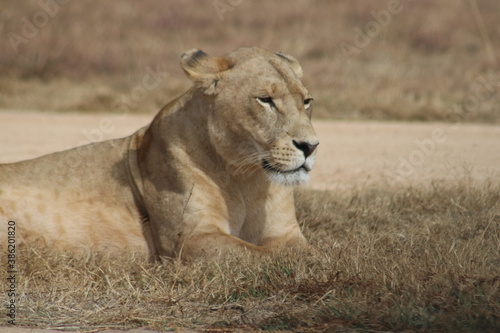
(243, 164)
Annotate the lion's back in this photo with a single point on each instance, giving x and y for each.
(72, 200)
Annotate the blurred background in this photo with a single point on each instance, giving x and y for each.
(420, 60)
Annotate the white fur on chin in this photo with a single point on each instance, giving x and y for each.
(298, 177)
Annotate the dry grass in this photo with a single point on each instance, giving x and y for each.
(417, 259)
(388, 259)
(426, 60)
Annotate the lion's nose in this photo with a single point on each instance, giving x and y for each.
(306, 147)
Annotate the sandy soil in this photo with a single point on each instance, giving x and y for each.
(350, 153)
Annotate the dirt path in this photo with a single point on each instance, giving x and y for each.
(350, 153)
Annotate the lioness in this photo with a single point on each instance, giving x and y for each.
(213, 172)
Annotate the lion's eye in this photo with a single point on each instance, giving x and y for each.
(266, 101)
(307, 103)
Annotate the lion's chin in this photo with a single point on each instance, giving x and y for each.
(289, 178)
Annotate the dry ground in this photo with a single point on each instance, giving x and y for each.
(352, 154)
(416, 253)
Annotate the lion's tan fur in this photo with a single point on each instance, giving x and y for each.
(193, 183)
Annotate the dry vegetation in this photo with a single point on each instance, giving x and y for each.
(92, 53)
(387, 259)
(416, 259)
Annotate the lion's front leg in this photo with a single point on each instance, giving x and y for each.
(276, 226)
(290, 237)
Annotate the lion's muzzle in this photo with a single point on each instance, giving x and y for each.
(290, 164)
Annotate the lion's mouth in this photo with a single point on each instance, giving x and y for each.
(292, 177)
(268, 167)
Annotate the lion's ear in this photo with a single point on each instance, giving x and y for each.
(204, 69)
(292, 62)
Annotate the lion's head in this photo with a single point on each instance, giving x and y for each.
(261, 116)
